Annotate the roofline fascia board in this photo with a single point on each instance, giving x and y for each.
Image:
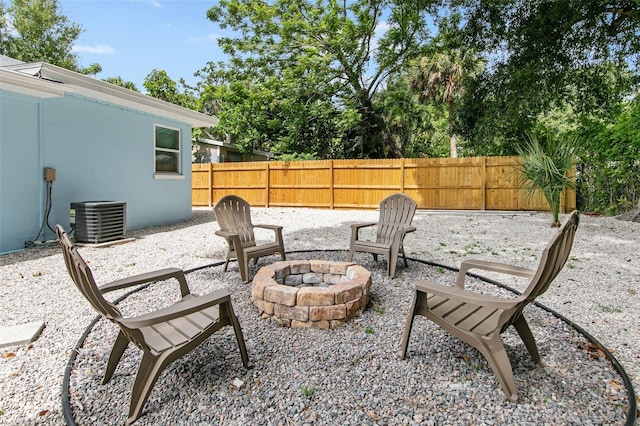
(129, 98)
(103, 91)
(16, 82)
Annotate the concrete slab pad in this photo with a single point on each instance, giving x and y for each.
(20, 334)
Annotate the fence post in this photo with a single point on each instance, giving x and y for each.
(210, 178)
(267, 183)
(331, 200)
(402, 176)
(483, 177)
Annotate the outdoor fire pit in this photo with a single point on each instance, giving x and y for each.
(311, 293)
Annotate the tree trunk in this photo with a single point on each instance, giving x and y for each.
(453, 145)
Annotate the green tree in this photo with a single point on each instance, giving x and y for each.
(440, 78)
(295, 62)
(118, 81)
(609, 170)
(92, 69)
(443, 73)
(36, 31)
(547, 55)
(161, 86)
(414, 128)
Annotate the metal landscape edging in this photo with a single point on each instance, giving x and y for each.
(631, 412)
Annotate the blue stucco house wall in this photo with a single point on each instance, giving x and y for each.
(99, 138)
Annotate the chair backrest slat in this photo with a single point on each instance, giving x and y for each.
(396, 211)
(83, 278)
(233, 214)
(553, 257)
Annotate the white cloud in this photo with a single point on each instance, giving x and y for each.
(211, 37)
(153, 3)
(381, 28)
(102, 49)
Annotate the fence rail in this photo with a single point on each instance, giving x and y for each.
(471, 183)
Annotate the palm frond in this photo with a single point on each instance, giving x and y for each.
(544, 167)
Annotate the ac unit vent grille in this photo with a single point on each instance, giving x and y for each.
(99, 221)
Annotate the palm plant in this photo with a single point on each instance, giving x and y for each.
(544, 168)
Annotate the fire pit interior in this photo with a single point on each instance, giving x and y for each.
(311, 293)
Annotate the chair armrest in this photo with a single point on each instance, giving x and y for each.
(148, 277)
(179, 310)
(355, 230)
(225, 234)
(466, 296)
(404, 231)
(356, 226)
(273, 227)
(493, 267)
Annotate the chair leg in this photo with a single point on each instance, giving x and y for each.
(495, 353)
(148, 372)
(404, 257)
(239, 337)
(120, 345)
(243, 265)
(244, 271)
(411, 315)
(350, 258)
(524, 331)
(393, 260)
(226, 263)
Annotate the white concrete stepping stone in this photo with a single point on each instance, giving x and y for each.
(20, 334)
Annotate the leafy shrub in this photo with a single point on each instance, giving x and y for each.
(609, 162)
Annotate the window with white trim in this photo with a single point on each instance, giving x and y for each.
(167, 150)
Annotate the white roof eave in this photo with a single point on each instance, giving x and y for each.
(80, 84)
(17, 82)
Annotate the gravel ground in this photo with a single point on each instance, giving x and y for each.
(345, 376)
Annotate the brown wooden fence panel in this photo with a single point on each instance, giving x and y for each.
(246, 180)
(503, 187)
(470, 183)
(201, 184)
(364, 183)
(300, 183)
(445, 183)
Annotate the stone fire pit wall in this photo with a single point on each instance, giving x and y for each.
(311, 293)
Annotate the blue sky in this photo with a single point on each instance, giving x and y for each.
(130, 38)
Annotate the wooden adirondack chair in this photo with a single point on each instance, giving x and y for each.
(396, 214)
(480, 319)
(234, 218)
(164, 335)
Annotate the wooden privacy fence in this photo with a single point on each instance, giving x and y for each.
(473, 183)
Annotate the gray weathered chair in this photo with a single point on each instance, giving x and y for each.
(163, 335)
(234, 218)
(479, 319)
(396, 214)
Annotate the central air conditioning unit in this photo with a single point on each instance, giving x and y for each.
(99, 221)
